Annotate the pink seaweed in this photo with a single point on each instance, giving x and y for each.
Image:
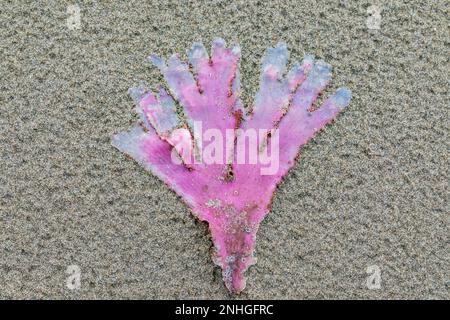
(232, 196)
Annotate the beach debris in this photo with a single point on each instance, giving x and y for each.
(224, 160)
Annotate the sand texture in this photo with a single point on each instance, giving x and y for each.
(371, 189)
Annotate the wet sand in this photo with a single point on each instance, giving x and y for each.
(372, 189)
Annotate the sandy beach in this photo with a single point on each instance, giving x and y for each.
(370, 192)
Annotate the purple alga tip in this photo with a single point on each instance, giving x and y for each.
(343, 97)
(136, 93)
(157, 61)
(200, 156)
(275, 60)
